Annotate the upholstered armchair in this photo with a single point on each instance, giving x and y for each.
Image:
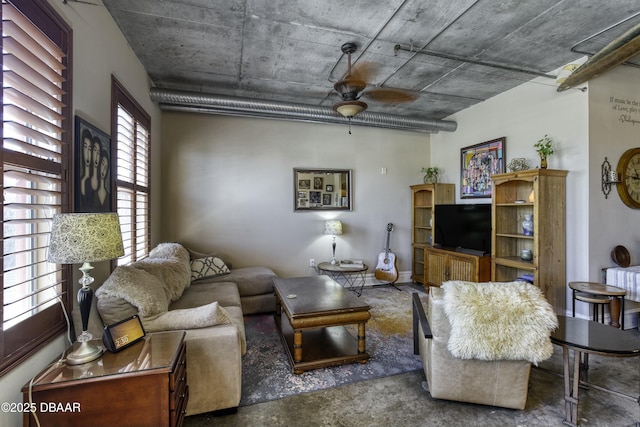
(481, 372)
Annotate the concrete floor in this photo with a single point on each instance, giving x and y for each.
(402, 400)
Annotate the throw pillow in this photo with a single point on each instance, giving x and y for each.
(208, 267)
(187, 318)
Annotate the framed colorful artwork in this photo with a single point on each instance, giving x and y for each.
(478, 163)
(93, 167)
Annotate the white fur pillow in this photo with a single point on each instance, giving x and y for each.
(187, 318)
(138, 288)
(170, 250)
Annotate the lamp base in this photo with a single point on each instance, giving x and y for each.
(86, 353)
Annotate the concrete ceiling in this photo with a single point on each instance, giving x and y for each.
(289, 50)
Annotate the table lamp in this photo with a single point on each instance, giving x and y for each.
(333, 227)
(85, 238)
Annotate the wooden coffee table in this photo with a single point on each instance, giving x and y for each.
(316, 309)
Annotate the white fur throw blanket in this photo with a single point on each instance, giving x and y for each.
(498, 321)
(153, 283)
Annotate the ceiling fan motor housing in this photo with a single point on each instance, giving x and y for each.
(349, 88)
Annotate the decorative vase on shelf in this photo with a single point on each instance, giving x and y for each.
(526, 254)
(431, 179)
(527, 225)
(543, 162)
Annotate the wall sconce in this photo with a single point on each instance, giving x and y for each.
(609, 177)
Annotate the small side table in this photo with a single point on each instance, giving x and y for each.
(352, 278)
(144, 385)
(600, 294)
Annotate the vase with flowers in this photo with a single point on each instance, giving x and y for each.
(544, 148)
(431, 175)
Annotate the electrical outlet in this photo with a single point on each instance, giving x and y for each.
(312, 262)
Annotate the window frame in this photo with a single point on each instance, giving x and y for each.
(120, 96)
(30, 335)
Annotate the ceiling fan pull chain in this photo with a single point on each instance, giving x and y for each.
(349, 125)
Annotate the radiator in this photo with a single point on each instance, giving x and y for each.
(626, 278)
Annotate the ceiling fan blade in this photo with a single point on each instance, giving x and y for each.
(363, 71)
(615, 53)
(390, 96)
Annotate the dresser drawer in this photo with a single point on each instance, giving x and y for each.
(178, 380)
(178, 389)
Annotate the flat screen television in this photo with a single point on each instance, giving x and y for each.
(464, 227)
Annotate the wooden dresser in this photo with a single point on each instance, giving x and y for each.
(143, 385)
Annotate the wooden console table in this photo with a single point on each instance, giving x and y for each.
(441, 264)
(143, 385)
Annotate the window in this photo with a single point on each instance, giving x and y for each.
(35, 137)
(131, 126)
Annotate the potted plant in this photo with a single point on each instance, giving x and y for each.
(431, 175)
(544, 149)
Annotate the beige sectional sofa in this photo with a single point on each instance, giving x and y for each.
(170, 290)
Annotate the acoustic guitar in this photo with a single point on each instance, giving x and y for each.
(387, 267)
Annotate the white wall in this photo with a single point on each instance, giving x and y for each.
(99, 50)
(228, 187)
(613, 223)
(523, 115)
(612, 132)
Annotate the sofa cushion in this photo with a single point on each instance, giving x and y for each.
(250, 280)
(136, 287)
(209, 266)
(187, 318)
(225, 293)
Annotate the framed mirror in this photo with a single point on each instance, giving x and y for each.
(322, 189)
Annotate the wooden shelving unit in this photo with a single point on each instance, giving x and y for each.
(423, 198)
(542, 193)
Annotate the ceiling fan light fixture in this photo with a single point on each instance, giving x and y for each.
(349, 108)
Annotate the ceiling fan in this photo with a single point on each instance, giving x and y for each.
(354, 83)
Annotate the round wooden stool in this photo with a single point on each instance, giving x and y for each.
(600, 295)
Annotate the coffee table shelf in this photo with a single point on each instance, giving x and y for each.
(324, 347)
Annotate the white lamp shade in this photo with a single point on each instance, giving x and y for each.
(85, 237)
(350, 108)
(333, 227)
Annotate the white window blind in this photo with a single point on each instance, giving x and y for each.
(33, 161)
(133, 175)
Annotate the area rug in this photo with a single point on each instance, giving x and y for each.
(267, 374)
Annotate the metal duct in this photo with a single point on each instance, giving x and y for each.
(227, 105)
